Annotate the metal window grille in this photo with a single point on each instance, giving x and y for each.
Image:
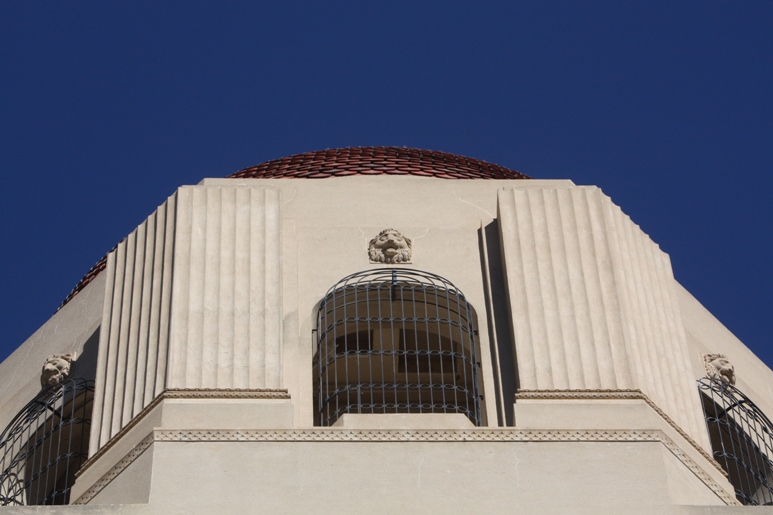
(741, 440)
(45, 445)
(395, 341)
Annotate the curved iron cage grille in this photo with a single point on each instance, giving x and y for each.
(741, 440)
(45, 445)
(395, 341)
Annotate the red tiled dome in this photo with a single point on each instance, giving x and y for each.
(341, 162)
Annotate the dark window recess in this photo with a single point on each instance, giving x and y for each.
(45, 445)
(425, 353)
(741, 440)
(354, 343)
(395, 341)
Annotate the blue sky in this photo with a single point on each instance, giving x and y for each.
(107, 107)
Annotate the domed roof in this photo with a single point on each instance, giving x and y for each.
(342, 162)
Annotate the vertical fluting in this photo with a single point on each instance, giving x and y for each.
(549, 318)
(193, 301)
(226, 326)
(144, 315)
(256, 301)
(206, 376)
(273, 290)
(515, 275)
(138, 238)
(127, 256)
(612, 370)
(131, 359)
(591, 300)
(519, 261)
(586, 323)
(562, 291)
(193, 345)
(241, 285)
(226, 308)
(164, 325)
(181, 289)
(98, 410)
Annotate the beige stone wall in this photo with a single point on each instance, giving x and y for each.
(416, 472)
(707, 335)
(226, 307)
(208, 311)
(591, 301)
(591, 297)
(192, 301)
(74, 329)
(135, 330)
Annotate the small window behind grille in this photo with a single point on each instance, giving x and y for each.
(45, 445)
(426, 353)
(354, 343)
(395, 341)
(741, 440)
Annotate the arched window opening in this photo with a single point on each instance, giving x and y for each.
(741, 440)
(395, 341)
(45, 445)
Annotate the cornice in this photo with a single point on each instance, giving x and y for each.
(184, 393)
(172, 436)
(615, 395)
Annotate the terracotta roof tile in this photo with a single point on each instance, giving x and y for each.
(377, 161)
(341, 162)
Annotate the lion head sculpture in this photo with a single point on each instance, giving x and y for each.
(718, 367)
(56, 369)
(390, 247)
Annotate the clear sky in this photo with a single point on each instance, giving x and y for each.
(107, 107)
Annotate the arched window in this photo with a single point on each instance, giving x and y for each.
(741, 440)
(45, 445)
(395, 341)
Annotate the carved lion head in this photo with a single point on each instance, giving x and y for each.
(718, 367)
(56, 369)
(390, 247)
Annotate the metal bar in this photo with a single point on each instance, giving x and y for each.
(741, 439)
(419, 322)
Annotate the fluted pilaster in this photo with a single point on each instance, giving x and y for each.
(134, 335)
(591, 301)
(192, 301)
(226, 319)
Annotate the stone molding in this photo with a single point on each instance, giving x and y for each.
(184, 393)
(615, 395)
(228, 393)
(592, 302)
(405, 435)
(111, 474)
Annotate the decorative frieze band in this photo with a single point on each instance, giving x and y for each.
(233, 393)
(406, 435)
(592, 302)
(616, 395)
(185, 393)
(580, 394)
(119, 467)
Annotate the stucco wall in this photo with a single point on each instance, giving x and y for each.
(73, 329)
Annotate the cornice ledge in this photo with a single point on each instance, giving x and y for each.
(223, 393)
(184, 393)
(405, 435)
(616, 395)
(580, 394)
